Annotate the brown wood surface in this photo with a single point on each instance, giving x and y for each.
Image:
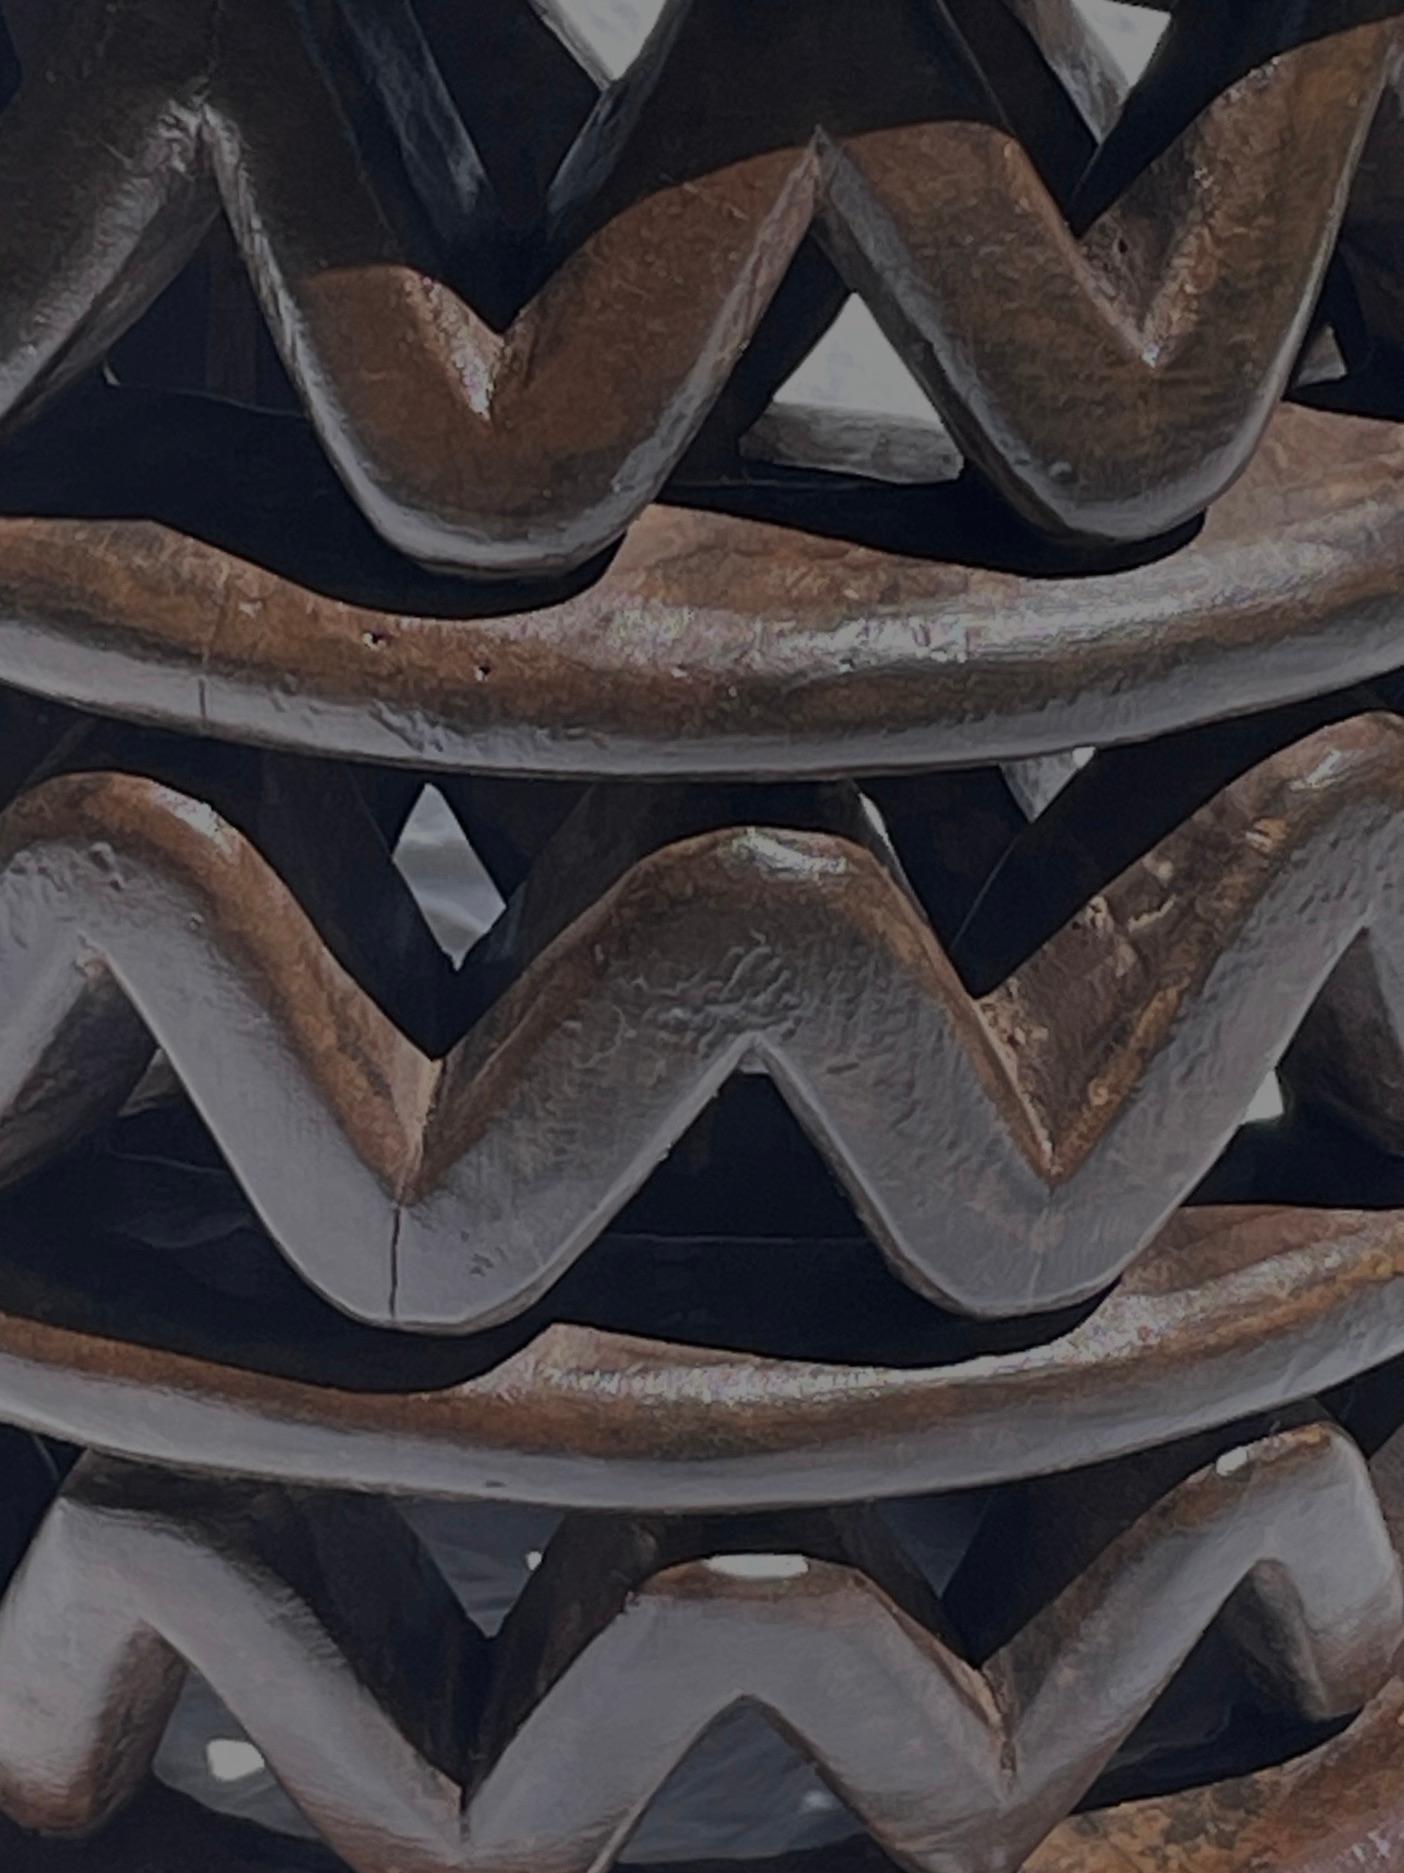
(1130, 393)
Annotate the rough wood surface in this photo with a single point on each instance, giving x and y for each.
(1009, 1154)
(546, 1746)
(1160, 309)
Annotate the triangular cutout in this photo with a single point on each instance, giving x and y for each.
(1130, 33)
(1037, 781)
(1267, 1103)
(743, 1238)
(453, 888)
(207, 1755)
(743, 1792)
(854, 407)
(745, 1168)
(605, 35)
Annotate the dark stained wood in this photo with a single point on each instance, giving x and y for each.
(775, 768)
(1009, 1154)
(820, 635)
(1139, 392)
(1232, 1311)
(630, 1639)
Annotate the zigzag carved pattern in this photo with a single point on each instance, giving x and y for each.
(1008, 1154)
(545, 1749)
(1136, 392)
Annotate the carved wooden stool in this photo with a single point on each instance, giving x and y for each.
(921, 837)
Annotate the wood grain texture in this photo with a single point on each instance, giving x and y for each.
(518, 531)
(546, 1748)
(1232, 1311)
(1008, 1154)
(1162, 308)
(837, 637)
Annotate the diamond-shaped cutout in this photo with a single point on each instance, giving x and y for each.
(451, 885)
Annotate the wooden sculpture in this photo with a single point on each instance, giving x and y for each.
(915, 858)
